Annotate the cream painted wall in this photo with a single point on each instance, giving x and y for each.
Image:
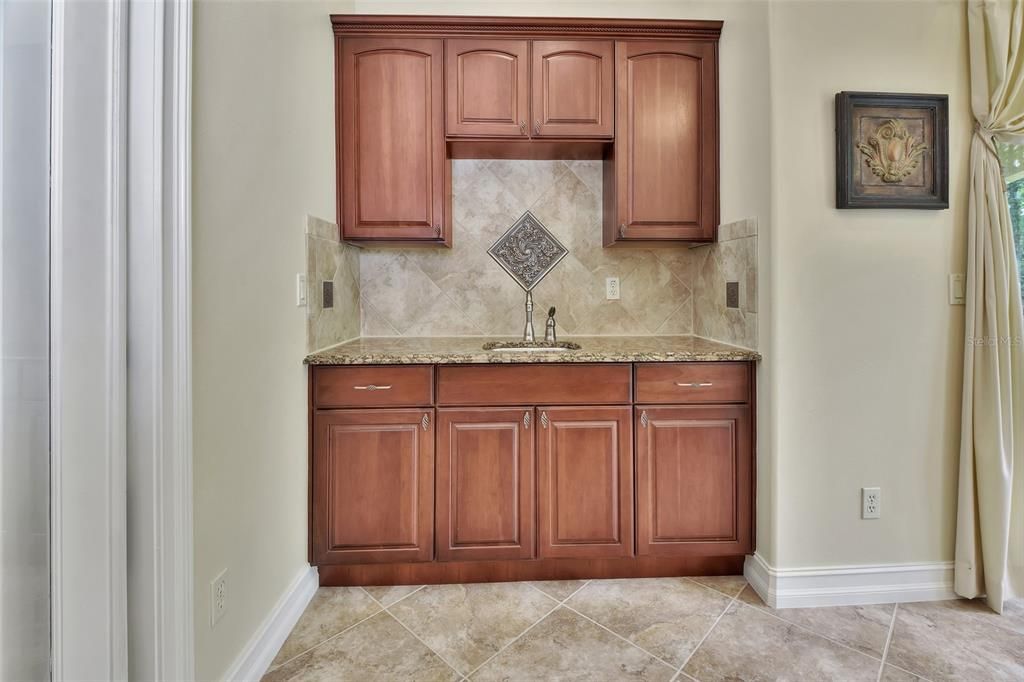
(867, 350)
(862, 353)
(263, 158)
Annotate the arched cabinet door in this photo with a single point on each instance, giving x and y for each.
(487, 88)
(573, 88)
(391, 147)
(666, 142)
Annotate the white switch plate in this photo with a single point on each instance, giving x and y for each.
(871, 503)
(218, 597)
(957, 289)
(611, 288)
(300, 289)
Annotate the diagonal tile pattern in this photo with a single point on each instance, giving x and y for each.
(665, 616)
(461, 291)
(685, 629)
(467, 624)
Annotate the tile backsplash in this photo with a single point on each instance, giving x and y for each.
(330, 260)
(461, 291)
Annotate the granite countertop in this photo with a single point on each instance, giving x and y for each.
(469, 350)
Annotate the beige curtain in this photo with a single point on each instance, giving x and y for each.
(990, 514)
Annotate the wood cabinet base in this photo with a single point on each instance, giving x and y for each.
(540, 569)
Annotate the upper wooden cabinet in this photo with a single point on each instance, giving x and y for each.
(573, 88)
(665, 180)
(391, 157)
(487, 87)
(413, 92)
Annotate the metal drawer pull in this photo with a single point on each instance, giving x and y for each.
(373, 387)
(643, 419)
(544, 419)
(425, 422)
(526, 420)
(703, 384)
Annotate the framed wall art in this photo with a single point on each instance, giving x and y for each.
(892, 150)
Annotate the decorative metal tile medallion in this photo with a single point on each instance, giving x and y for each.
(527, 251)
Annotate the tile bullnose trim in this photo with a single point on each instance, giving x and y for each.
(783, 588)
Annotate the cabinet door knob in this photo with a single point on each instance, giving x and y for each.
(526, 420)
(644, 421)
(544, 419)
(536, 127)
(622, 229)
(522, 127)
(425, 422)
(437, 230)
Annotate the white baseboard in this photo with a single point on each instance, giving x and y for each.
(784, 588)
(258, 654)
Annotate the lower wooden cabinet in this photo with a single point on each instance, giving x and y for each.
(585, 481)
(485, 472)
(694, 480)
(373, 486)
(452, 491)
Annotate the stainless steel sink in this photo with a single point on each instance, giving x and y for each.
(531, 346)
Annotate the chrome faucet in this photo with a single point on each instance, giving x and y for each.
(549, 328)
(528, 331)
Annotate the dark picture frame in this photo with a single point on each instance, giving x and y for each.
(892, 150)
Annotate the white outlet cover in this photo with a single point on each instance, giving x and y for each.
(611, 288)
(300, 289)
(218, 597)
(871, 503)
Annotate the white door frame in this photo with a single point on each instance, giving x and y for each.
(160, 538)
(87, 341)
(121, 434)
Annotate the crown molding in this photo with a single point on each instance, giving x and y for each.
(373, 24)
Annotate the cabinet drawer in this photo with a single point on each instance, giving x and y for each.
(378, 386)
(693, 382)
(533, 385)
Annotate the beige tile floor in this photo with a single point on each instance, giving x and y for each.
(652, 629)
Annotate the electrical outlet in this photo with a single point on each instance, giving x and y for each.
(732, 294)
(328, 294)
(611, 288)
(218, 597)
(871, 503)
(300, 289)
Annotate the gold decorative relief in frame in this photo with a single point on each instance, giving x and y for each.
(891, 152)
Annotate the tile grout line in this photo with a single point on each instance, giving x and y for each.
(627, 641)
(888, 641)
(766, 610)
(497, 653)
(420, 640)
(334, 636)
(679, 670)
(557, 605)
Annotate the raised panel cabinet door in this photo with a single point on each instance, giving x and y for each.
(391, 143)
(585, 481)
(485, 484)
(573, 88)
(666, 141)
(694, 486)
(487, 87)
(373, 486)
